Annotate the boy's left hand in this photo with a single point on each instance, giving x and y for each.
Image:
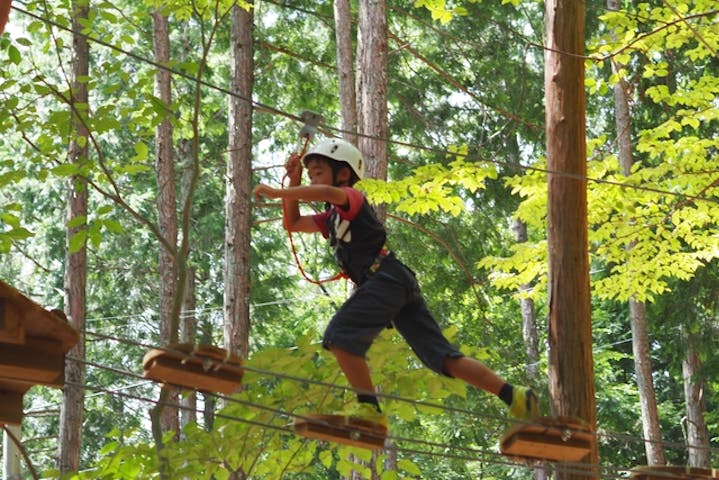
(293, 169)
(265, 191)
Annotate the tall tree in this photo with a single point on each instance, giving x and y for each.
(4, 14)
(694, 388)
(71, 414)
(571, 371)
(372, 86)
(637, 309)
(345, 69)
(167, 212)
(238, 220)
(188, 334)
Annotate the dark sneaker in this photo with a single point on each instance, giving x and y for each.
(524, 404)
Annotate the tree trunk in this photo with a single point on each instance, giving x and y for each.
(345, 72)
(645, 384)
(571, 371)
(637, 310)
(167, 216)
(208, 399)
(73, 395)
(529, 314)
(188, 334)
(11, 453)
(4, 14)
(696, 427)
(238, 185)
(372, 87)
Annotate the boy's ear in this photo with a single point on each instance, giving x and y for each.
(344, 174)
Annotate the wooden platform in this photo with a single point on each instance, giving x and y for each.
(33, 344)
(561, 439)
(194, 367)
(342, 429)
(658, 472)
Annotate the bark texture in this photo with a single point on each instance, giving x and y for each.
(372, 86)
(696, 427)
(238, 187)
(73, 395)
(571, 371)
(345, 70)
(166, 208)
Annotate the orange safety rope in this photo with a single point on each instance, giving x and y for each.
(340, 274)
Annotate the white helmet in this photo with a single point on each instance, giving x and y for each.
(341, 151)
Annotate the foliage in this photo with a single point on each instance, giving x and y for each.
(429, 188)
(253, 433)
(466, 116)
(663, 210)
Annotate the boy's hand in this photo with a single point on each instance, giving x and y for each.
(293, 169)
(265, 191)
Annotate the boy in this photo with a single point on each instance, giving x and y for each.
(387, 291)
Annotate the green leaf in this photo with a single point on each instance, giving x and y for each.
(77, 221)
(327, 458)
(77, 241)
(19, 233)
(66, 170)
(409, 466)
(141, 152)
(14, 55)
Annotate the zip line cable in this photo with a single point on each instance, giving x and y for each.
(275, 111)
(414, 402)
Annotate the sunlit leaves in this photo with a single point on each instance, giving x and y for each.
(662, 221)
(431, 188)
(11, 229)
(439, 10)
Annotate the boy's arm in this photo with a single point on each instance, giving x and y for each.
(291, 207)
(293, 221)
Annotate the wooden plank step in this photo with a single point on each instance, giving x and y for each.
(561, 439)
(195, 367)
(37, 361)
(342, 429)
(661, 472)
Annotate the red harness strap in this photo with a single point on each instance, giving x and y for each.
(339, 275)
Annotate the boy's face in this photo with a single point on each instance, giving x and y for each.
(319, 171)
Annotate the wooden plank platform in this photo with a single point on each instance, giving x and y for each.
(33, 344)
(34, 320)
(342, 429)
(561, 439)
(195, 367)
(37, 362)
(661, 472)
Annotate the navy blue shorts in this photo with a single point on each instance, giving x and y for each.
(390, 296)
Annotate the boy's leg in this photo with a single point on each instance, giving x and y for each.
(475, 373)
(421, 331)
(355, 369)
(355, 325)
(522, 401)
